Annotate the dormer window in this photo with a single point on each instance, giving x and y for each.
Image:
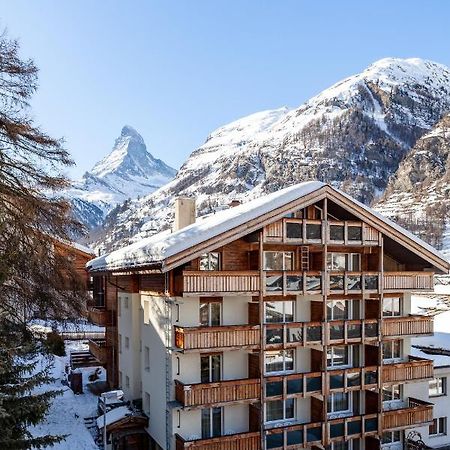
(210, 261)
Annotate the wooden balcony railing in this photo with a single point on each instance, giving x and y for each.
(239, 441)
(198, 338)
(99, 350)
(413, 369)
(405, 281)
(407, 326)
(100, 316)
(417, 412)
(202, 281)
(191, 395)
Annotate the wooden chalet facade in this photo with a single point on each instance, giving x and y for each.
(279, 324)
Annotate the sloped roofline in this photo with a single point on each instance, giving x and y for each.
(315, 192)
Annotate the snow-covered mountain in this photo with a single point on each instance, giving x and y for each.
(353, 135)
(128, 172)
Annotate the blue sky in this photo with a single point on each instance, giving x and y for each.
(176, 70)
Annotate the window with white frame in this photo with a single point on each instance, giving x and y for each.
(120, 378)
(280, 409)
(392, 307)
(279, 361)
(211, 422)
(278, 260)
(210, 261)
(438, 427)
(437, 387)
(392, 350)
(127, 342)
(392, 393)
(210, 313)
(147, 359)
(147, 403)
(391, 437)
(127, 381)
(277, 312)
(125, 301)
(339, 402)
(120, 343)
(342, 262)
(338, 356)
(343, 309)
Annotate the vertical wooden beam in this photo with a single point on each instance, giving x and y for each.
(380, 330)
(261, 339)
(326, 390)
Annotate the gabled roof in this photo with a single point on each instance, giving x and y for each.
(167, 250)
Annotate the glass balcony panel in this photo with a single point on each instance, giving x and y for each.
(274, 388)
(314, 434)
(336, 381)
(295, 385)
(294, 230)
(313, 384)
(371, 425)
(371, 377)
(274, 283)
(274, 336)
(294, 283)
(371, 282)
(354, 331)
(336, 282)
(371, 330)
(354, 282)
(294, 334)
(313, 231)
(314, 333)
(336, 232)
(354, 427)
(354, 233)
(353, 379)
(336, 332)
(295, 437)
(337, 430)
(313, 283)
(274, 440)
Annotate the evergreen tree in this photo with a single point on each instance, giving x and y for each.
(35, 280)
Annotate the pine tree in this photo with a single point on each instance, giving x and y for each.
(35, 280)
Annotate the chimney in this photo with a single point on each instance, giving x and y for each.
(184, 212)
(234, 203)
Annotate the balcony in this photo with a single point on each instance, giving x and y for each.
(414, 413)
(220, 283)
(220, 337)
(407, 326)
(100, 316)
(217, 393)
(415, 369)
(238, 441)
(99, 349)
(408, 281)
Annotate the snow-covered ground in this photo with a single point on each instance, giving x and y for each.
(67, 413)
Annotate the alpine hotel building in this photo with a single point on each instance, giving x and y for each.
(281, 323)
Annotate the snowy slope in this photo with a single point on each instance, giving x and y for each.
(128, 172)
(353, 135)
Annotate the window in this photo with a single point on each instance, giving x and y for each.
(127, 342)
(339, 310)
(339, 402)
(294, 230)
(120, 378)
(279, 361)
(210, 313)
(338, 356)
(210, 368)
(354, 233)
(278, 260)
(342, 262)
(147, 359)
(437, 387)
(125, 302)
(127, 381)
(120, 343)
(211, 422)
(147, 403)
(282, 311)
(392, 393)
(391, 307)
(392, 350)
(391, 437)
(336, 232)
(439, 427)
(280, 410)
(210, 261)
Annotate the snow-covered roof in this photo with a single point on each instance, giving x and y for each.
(114, 415)
(161, 246)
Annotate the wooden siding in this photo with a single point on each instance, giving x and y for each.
(411, 370)
(239, 441)
(405, 281)
(100, 316)
(204, 394)
(417, 412)
(407, 326)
